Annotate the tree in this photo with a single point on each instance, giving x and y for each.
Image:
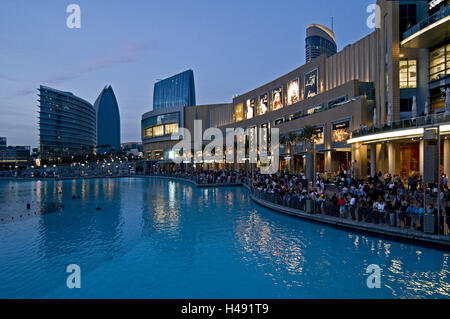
(293, 139)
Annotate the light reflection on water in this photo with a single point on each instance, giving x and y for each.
(163, 239)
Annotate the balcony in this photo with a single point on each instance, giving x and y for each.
(408, 128)
(430, 31)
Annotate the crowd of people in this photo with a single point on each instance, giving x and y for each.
(380, 198)
(92, 169)
(210, 177)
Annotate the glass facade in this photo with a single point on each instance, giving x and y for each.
(161, 125)
(178, 90)
(316, 46)
(67, 124)
(408, 16)
(408, 74)
(14, 154)
(440, 63)
(108, 121)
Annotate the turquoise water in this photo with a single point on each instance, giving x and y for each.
(165, 239)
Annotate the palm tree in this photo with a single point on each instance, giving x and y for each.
(308, 136)
(293, 139)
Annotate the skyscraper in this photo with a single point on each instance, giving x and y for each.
(66, 124)
(178, 90)
(108, 121)
(319, 40)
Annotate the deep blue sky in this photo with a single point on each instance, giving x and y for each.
(232, 46)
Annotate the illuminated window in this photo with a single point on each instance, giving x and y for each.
(408, 74)
(148, 132)
(440, 63)
(314, 109)
(239, 112)
(171, 128)
(158, 130)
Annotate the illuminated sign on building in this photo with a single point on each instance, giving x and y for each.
(434, 3)
(311, 81)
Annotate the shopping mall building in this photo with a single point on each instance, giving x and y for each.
(371, 104)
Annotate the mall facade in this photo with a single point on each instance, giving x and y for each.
(373, 105)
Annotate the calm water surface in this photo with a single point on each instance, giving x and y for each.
(165, 239)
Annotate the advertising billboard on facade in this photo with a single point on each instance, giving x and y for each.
(293, 92)
(341, 132)
(251, 106)
(263, 104)
(277, 98)
(311, 83)
(239, 112)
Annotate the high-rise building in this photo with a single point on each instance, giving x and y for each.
(178, 90)
(319, 40)
(108, 121)
(67, 124)
(2, 142)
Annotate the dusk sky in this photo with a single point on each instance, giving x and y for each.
(232, 46)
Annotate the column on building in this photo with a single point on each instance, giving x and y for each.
(447, 157)
(373, 159)
(329, 162)
(381, 158)
(394, 158)
(359, 160)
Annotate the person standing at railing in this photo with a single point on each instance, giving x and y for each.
(353, 207)
(341, 205)
(412, 213)
(381, 210)
(420, 212)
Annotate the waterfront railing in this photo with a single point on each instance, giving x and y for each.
(393, 218)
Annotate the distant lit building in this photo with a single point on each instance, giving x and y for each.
(13, 154)
(67, 124)
(319, 40)
(134, 148)
(108, 121)
(178, 90)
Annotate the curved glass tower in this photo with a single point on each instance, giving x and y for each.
(66, 124)
(108, 121)
(319, 40)
(178, 90)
